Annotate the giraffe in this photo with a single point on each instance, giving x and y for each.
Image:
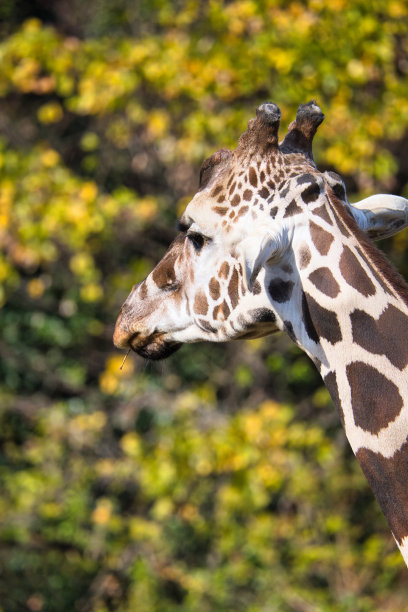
(270, 244)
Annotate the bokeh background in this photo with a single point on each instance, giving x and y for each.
(219, 480)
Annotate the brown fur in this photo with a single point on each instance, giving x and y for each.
(374, 255)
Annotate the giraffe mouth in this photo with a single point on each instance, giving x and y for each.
(154, 347)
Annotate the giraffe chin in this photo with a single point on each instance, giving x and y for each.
(154, 348)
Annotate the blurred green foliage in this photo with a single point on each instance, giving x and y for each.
(219, 480)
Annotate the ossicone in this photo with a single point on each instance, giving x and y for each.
(262, 132)
(301, 132)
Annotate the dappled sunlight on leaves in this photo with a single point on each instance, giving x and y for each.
(219, 479)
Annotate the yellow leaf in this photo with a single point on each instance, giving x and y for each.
(50, 113)
(49, 158)
(88, 191)
(102, 512)
(130, 444)
(35, 288)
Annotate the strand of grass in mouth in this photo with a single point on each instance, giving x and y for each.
(124, 359)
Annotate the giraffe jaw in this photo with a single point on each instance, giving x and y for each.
(153, 347)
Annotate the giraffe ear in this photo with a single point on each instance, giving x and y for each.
(257, 251)
(209, 166)
(381, 215)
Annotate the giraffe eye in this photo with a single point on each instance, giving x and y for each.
(198, 240)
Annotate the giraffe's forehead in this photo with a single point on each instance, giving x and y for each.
(254, 188)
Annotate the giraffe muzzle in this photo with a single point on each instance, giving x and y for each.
(153, 347)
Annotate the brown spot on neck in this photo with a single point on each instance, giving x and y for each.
(320, 322)
(375, 257)
(387, 335)
(323, 213)
(280, 290)
(388, 480)
(375, 399)
(323, 279)
(354, 274)
(321, 239)
(330, 380)
(304, 256)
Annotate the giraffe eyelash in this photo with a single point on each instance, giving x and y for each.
(182, 227)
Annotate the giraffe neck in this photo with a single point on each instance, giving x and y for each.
(360, 342)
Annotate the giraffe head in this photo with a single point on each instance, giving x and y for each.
(262, 212)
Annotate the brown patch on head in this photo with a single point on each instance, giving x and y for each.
(321, 239)
(284, 189)
(264, 193)
(375, 399)
(247, 195)
(243, 210)
(143, 290)
(253, 179)
(217, 190)
(320, 322)
(385, 336)
(338, 188)
(236, 200)
(223, 272)
(323, 279)
(222, 311)
(388, 480)
(233, 288)
(220, 210)
(354, 274)
(164, 273)
(200, 303)
(311, 193)
(292, 209)
(215, 289)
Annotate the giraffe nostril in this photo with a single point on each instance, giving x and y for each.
(121, 337)
(133, 341)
